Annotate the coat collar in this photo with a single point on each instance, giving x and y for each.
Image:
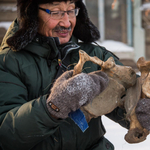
(49, 47)
(42, 48)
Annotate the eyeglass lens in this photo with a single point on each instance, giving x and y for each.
(60, 14)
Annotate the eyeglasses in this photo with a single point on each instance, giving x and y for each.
(60, 14)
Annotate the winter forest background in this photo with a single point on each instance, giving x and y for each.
(116, 39)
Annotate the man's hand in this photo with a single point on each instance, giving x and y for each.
(70, 93)
(143, 112)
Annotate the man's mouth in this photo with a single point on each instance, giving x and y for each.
(62, 33)
(61, 28)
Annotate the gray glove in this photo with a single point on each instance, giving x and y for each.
(143, 112)
(70, 93)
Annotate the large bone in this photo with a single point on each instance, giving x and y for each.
(105, 102)
(120, 78)
(144, 68)
(140, 90)
(136, 133)
(124, 75)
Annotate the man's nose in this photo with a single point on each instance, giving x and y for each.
(65, 21)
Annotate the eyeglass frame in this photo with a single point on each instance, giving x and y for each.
(49, 12)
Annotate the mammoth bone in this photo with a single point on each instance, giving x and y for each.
(121, 78)
(140, 90)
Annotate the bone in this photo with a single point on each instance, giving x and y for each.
(122, 74)
(105, 103)
(120, 78)
(140, 90)
(144, 68)
(136, 133)
(83, 57)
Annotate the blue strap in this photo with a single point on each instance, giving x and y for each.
(79, 119)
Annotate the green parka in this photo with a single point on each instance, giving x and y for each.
(25, 80)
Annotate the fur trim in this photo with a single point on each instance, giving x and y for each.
(84, 30)
(28, 25)
(22, 37)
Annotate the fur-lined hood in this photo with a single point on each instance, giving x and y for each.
(84, 30)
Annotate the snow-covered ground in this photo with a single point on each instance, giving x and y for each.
(116, 46)
(5, 25)
(145, 6)
(121, 50)
(5, 8)
(115, 133)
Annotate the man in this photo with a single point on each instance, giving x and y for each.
(34, 108)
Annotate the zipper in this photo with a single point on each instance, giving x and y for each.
(73, 46)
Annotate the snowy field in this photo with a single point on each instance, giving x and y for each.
(116, 46)
(115, 133)
(5, 25)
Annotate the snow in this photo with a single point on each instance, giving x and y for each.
(8, 8)
(5, 25)
(115, 46)
(145, 6)
(115, 134)
(138, 73)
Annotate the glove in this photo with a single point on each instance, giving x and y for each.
(70, 93)
(143, 113)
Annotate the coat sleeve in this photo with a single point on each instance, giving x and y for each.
(21, 122)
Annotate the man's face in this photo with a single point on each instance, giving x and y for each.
(61, 28)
